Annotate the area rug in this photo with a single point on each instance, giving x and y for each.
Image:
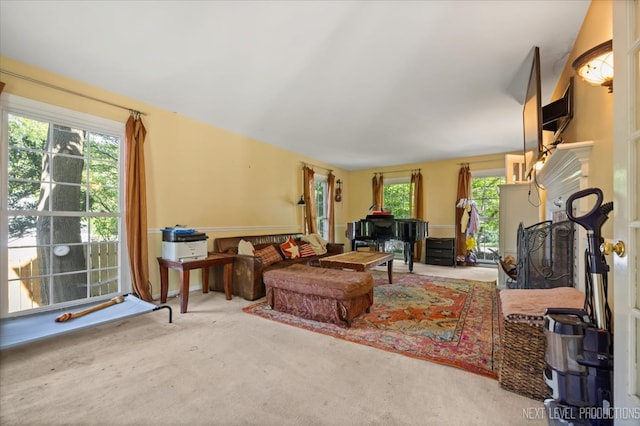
(449, 321)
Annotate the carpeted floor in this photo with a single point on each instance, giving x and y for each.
(217, 365)
(446, 320)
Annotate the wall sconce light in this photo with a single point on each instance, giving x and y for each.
(338, 196)
(301, 201)
(595, 66)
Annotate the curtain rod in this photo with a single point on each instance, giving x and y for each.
(475, 162)
(318, 167)
(62, 89)
(397, 171)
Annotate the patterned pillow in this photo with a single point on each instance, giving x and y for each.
(290, 249)
(306, 250)
(269, 255)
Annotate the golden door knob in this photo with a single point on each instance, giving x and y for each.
(608, 248)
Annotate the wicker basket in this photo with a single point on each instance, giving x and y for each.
(522, 359)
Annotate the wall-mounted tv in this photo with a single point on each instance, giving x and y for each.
(557, 115)
(532, 115)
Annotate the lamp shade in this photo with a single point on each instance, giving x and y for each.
(595, 66)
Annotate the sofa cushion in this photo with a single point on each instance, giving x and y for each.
(269, 255)
(290, 249)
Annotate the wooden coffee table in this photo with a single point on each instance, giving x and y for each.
(359, 261)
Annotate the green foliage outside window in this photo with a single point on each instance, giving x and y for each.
(396, 199)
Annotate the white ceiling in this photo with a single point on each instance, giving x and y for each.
(356, 84)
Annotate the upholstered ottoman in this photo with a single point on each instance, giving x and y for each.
(320, 294)
(522, 361)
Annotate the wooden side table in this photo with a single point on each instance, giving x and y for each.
(185, 267)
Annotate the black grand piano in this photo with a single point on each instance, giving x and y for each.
(379, 228)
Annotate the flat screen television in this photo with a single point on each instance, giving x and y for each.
(532, 115)
(557, 115)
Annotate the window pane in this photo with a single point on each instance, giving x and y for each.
(23, 195)
(104, 229)
(66, 198)
(103, 147)
(25, 294)
(397, 199)
(27, 133)
(22, 231)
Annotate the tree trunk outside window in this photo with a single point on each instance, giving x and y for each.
(60, 192)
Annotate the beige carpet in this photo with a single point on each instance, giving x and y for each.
(216, 365)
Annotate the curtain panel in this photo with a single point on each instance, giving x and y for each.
(464, 192)
(416, 205)
(136, 208)
(308, 174)
(331, 207)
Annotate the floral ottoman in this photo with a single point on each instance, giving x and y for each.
(320, 294)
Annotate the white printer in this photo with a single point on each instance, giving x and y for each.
(182, 244)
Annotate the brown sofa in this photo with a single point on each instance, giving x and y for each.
(248, 270)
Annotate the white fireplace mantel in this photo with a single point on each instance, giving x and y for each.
(568, 161)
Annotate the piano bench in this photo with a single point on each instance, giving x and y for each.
(319, 294)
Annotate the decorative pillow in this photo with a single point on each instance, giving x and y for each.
(290, 249)
(269, 255)
(245, 247)
(306, 250)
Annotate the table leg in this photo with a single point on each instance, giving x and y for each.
(205, 279)
(184, 291)
(390, 271)
(228, 277)
(164, 283)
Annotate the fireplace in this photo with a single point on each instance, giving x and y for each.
(565, 172)
(545, 255)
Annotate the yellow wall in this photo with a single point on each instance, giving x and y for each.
(227, 184)
(208, 178)
(440, 180)
(593, 106)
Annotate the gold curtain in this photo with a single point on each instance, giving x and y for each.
(464, 192)
(310, 200)
(377, 186)
(416, 206)
(331, 183)
(136, 208)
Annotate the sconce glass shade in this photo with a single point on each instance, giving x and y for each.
(595, 66)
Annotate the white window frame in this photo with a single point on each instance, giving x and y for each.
(484, 174)
(16, 105)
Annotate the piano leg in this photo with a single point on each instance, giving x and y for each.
(408, 255)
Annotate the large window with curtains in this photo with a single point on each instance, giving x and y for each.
(62, 215)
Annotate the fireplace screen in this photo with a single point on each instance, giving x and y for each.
(545, 255)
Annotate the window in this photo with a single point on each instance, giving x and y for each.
(397, 193)
(62, 207)
(485, 193)
(396, 199)
(322, 221)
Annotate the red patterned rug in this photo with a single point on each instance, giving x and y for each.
(449, 321)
